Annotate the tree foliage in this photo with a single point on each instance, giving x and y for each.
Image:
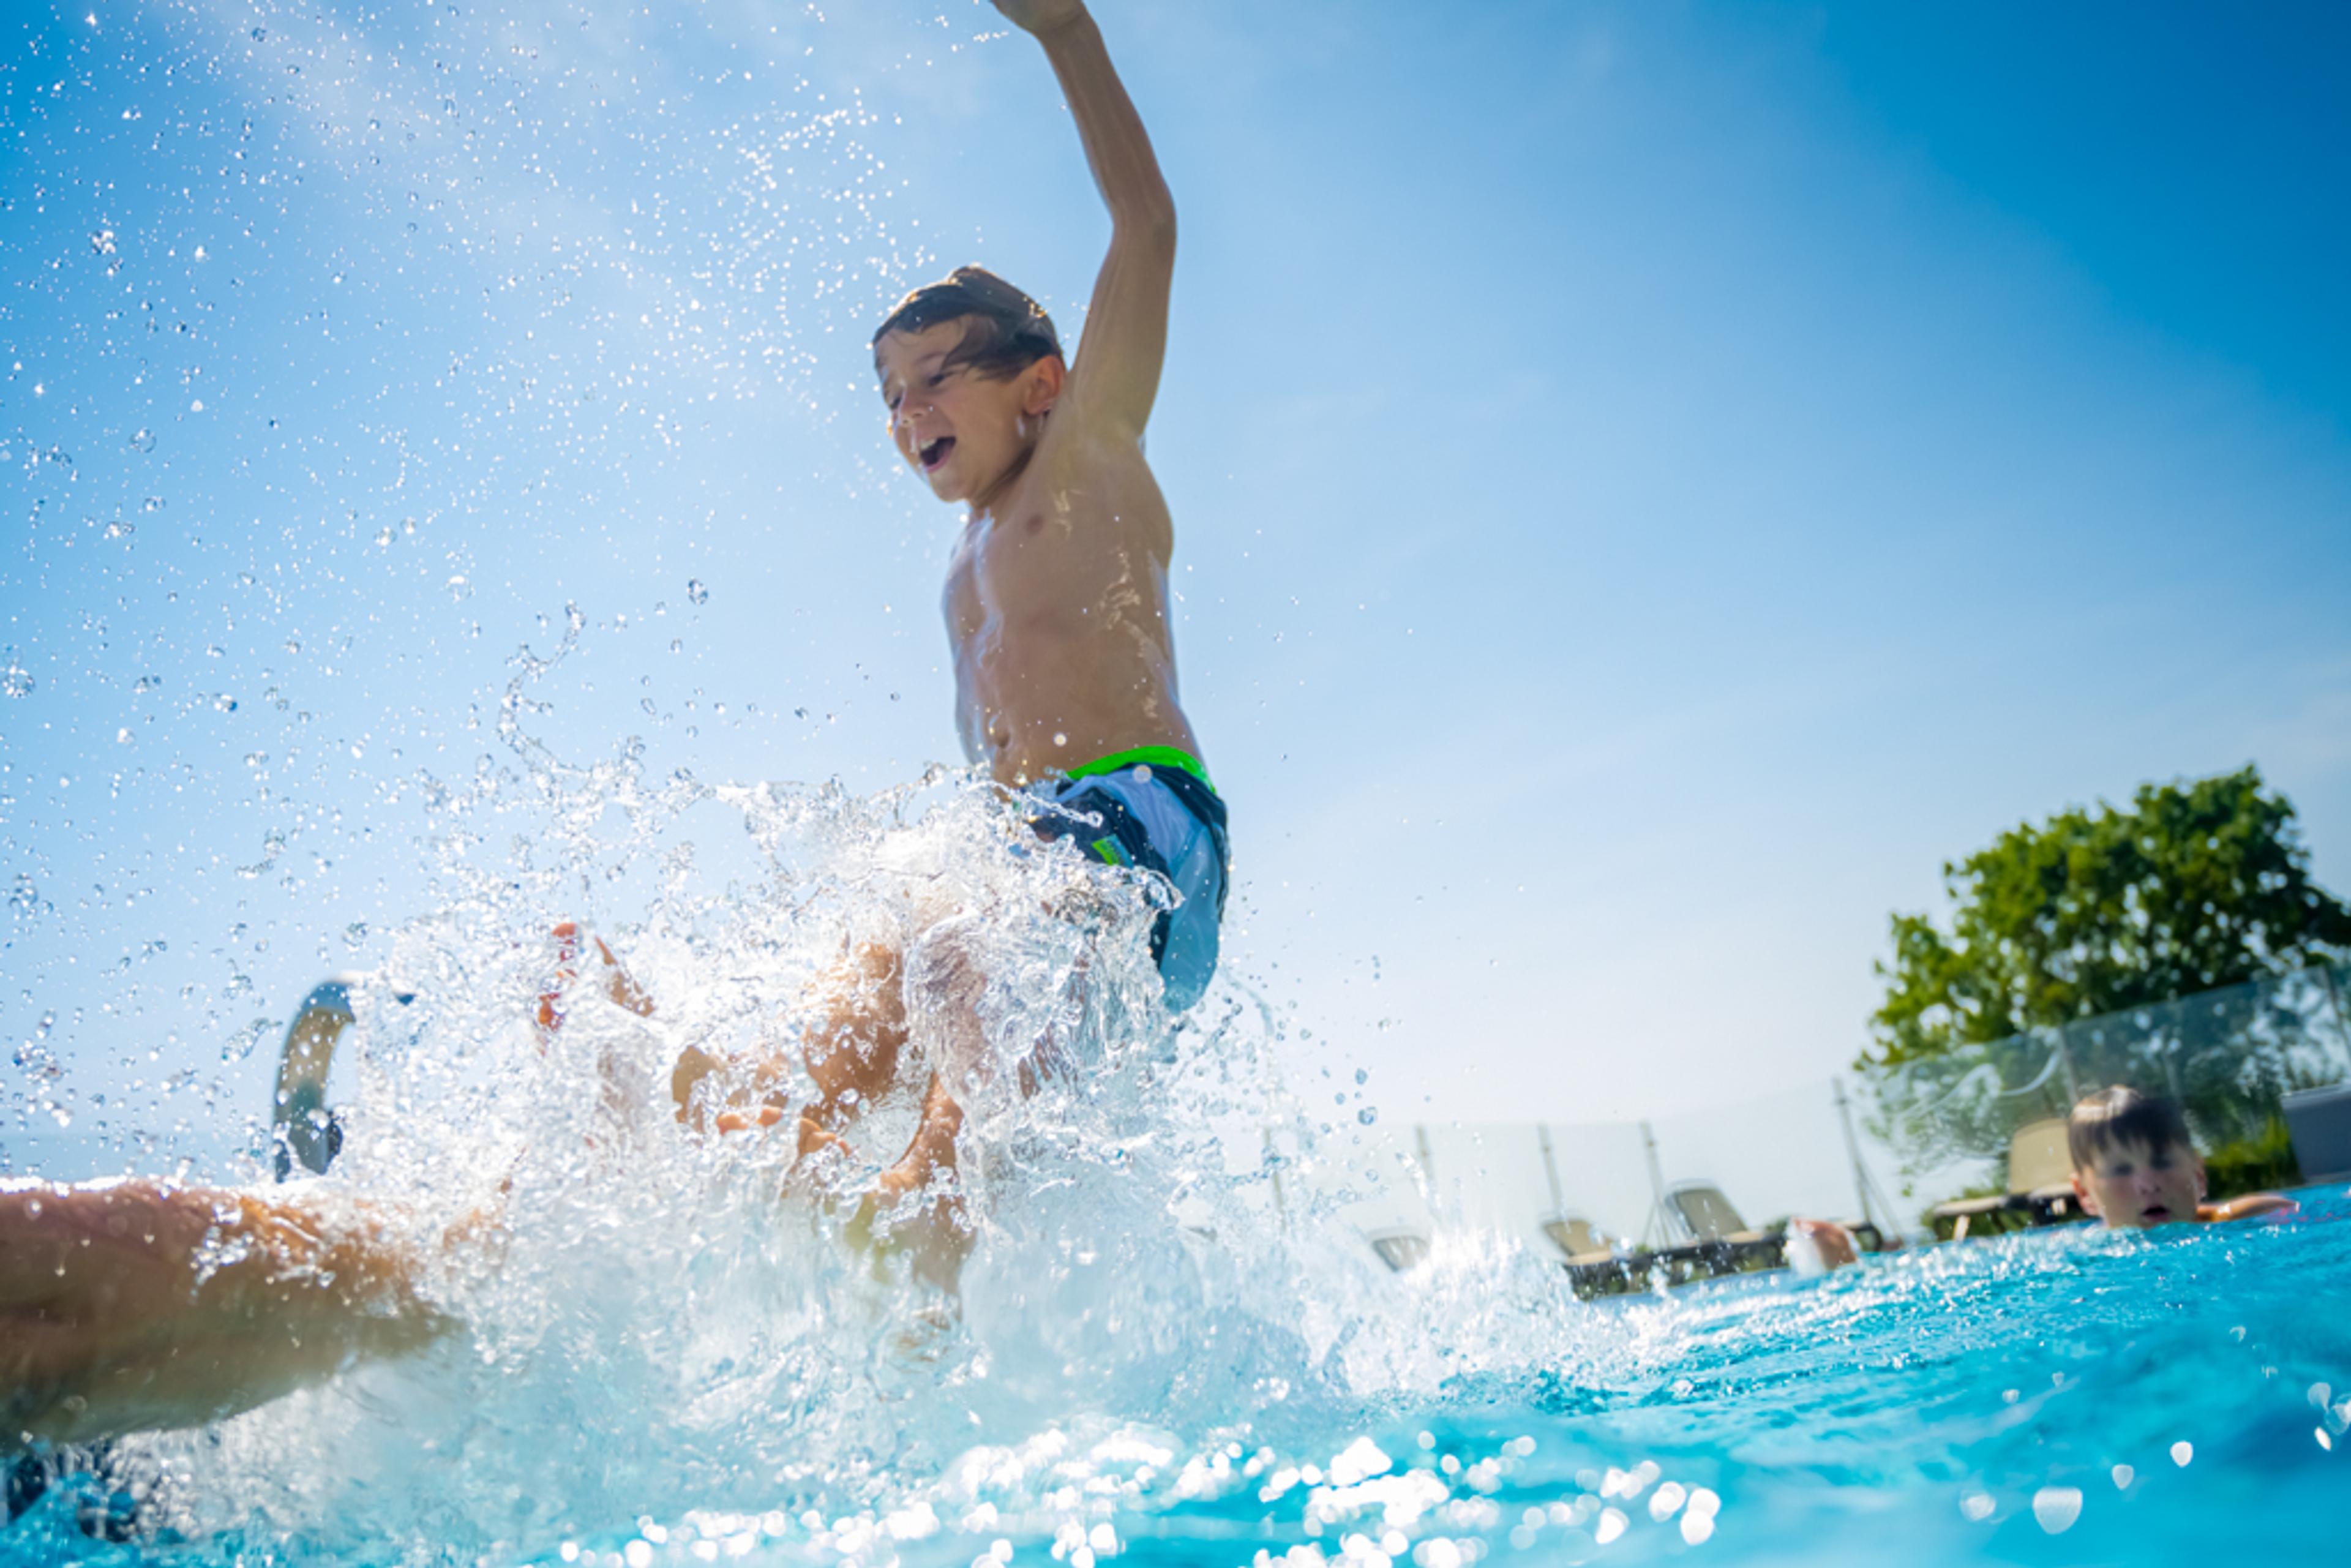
(2195, 885)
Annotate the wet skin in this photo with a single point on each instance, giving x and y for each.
(140, 1304)
(2131, 1185)
(1056, 597)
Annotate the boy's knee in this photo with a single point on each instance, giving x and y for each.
(944, 960)
(875, 963)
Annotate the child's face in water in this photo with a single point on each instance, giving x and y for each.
(2131, 1185)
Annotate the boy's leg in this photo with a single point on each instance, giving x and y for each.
(917, 1206)
(850, 1049)
(131, 1306)
(857, 1030)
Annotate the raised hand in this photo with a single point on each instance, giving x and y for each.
(1040, 16)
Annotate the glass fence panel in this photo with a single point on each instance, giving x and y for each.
(2227, 1056)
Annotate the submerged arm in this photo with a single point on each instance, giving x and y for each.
(1116, 377)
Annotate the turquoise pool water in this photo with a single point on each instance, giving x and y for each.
(2073, 1397)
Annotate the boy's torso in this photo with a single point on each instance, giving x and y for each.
(1057, 610)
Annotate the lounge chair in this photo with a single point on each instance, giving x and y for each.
(1400, 1249)
(1701, 1213)
(2040, 1187)
(1578, 1239)
(2319, 1121)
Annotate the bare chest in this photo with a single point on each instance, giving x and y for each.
(1080, 547)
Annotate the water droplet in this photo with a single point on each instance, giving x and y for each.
(1363, 1075)
(1368, 1114)
(2181, 1452)
(1060, 740)
(102, 241)
(143, 441)
(1977, 1506)
(2058, 1508)
(118, 528)
(2123, 1474)
(696, 592)
(15, 680)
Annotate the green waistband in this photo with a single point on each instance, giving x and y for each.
(1150, 757)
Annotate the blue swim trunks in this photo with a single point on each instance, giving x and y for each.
(1154, 808)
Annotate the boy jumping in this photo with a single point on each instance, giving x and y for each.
(1056, 596)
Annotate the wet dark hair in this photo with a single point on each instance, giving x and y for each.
(2120, 1115)
(1004, 331)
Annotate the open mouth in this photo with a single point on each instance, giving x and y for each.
(934, 453)
(2156, 1214)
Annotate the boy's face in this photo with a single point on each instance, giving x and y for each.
(2131, 1185)
(961, 431)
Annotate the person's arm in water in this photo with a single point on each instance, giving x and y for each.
(1830, 1241)
(2250, 1206)
(1116, 377)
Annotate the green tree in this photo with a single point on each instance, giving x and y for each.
(2196, 885)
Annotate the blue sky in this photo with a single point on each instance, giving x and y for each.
(1652, 482)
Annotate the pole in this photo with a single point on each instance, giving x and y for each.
(1853, 1152)
(1550, 1170)
(1658, 1219)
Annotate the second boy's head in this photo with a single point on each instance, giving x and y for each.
(2133, 1162)
(970, 368)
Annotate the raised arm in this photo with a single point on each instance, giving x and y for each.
(1116, 376)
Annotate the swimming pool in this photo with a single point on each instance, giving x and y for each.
(670, 1360)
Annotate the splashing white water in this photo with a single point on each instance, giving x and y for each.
(656, 1317)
